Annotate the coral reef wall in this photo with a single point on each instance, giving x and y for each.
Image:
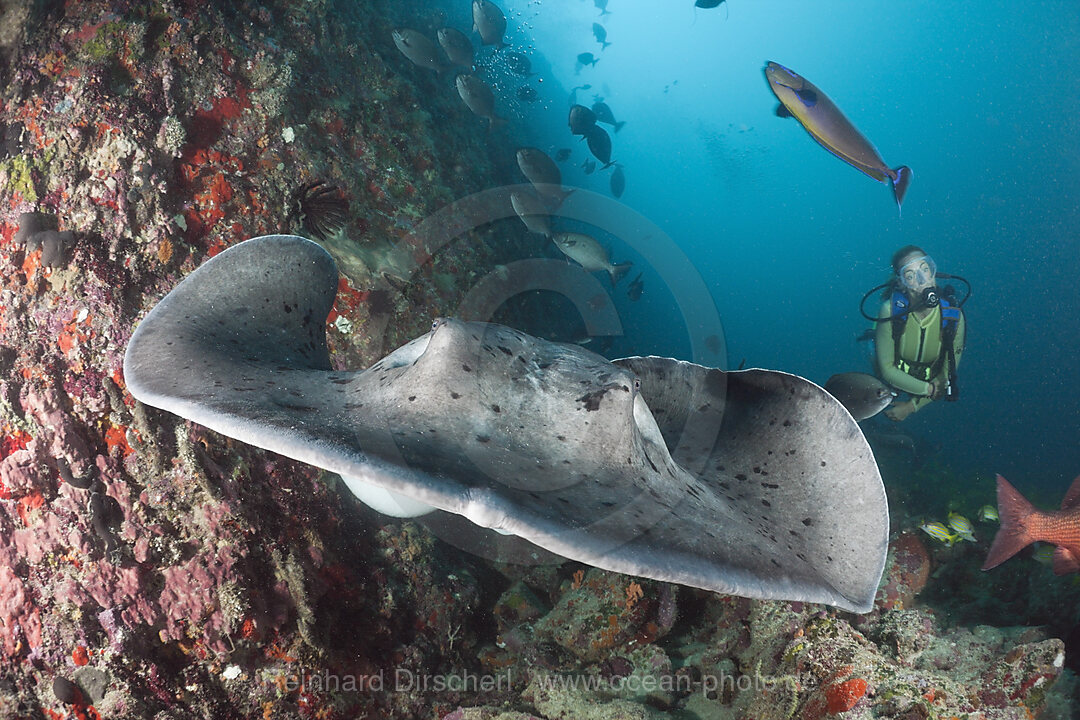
(145, 564)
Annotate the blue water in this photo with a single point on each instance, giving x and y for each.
(977, 98)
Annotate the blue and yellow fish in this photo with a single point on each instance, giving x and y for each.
(961, 526)
(939, 532)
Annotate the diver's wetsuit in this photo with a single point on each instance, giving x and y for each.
(920, 346)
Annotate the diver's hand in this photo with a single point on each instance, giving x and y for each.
(938, 389)
(899, 411)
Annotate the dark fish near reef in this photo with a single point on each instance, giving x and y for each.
(519, 64)
(489, 21)
(863, 395)
(600, 33)
(527, 93)
(801, 99)
(457, 46)
(543, 173)
(1022, 524)
(709, 4)
(601, 5)
(618, 182)
(603, 114)
(479, 98)
(637, 286)
(581, 119)
(562, 155)
(421, 52)
(532, 212)
(586, 58)
(599, 145)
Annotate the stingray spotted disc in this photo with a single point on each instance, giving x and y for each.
(754, 483)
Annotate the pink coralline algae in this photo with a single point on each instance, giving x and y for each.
(191, 599)
(20, 621)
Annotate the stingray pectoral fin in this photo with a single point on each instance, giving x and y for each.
(773, 496)
(804, 509)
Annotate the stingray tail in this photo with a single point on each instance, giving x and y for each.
(901, 178)
(1014, 534)
(618, 272)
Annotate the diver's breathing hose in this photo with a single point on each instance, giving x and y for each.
(930, 301)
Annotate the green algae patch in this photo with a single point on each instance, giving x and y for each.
(18, 174)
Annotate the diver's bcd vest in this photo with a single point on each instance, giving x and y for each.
(950, 320)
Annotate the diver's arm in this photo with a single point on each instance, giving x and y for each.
(884, 349)
(961, 338)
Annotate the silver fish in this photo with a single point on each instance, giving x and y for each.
(531, 211)
(490, 22)
(543, 173)
(478, 97)
(863, 395)
(590, 254)
(457, 46)
(414, 45)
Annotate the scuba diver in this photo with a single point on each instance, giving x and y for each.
(920, 332)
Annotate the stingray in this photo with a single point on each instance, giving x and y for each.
(754, 483)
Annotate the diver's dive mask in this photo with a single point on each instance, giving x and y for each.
(917, 273)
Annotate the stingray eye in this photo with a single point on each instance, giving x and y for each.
(637, 384)
(434, 324)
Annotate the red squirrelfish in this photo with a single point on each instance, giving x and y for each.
(1022, 524)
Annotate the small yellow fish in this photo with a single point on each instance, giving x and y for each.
(939, 532)
(1044, 553)
(988, 513)
(962, 526)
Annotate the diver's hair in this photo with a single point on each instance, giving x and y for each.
(903, 253)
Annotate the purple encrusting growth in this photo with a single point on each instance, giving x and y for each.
(163, 570)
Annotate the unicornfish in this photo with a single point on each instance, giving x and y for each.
(801, 99)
